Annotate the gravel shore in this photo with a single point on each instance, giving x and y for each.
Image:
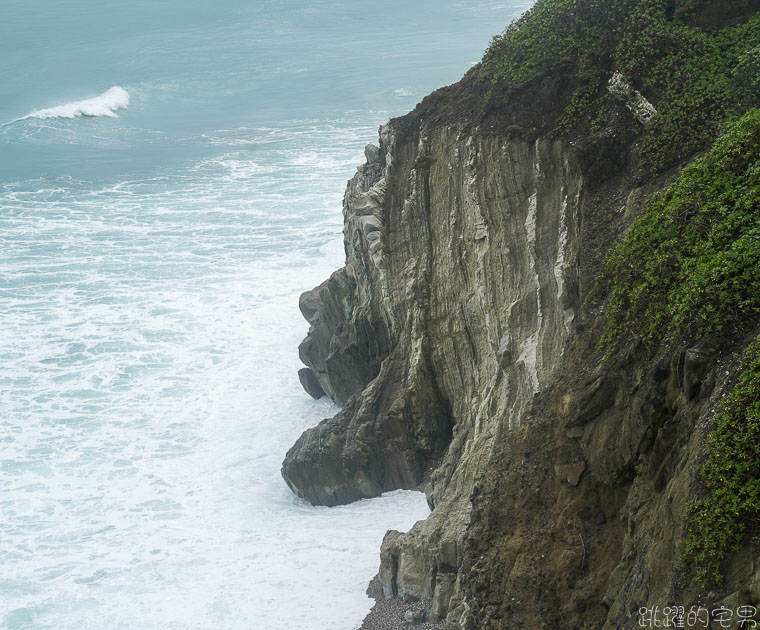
(388, 614)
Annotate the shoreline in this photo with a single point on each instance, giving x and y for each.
(389, 614)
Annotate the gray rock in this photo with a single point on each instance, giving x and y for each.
(310, 383)
(389, 564)
(445, 584)
(456, 288)
(310, 303)
(697, 363)
(343, 352)
(571, 472)
(415, 617)
(372, 153)
(601, 396)
(642, 110)
(429, 495)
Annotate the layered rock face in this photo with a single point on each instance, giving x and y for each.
(457, 300)
(456, 341)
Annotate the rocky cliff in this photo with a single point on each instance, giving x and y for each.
(463, 347)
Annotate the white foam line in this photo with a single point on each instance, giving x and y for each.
(104, 105)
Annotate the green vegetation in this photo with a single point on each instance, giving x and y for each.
(696, 78)
(695, 74)
(718, 522)
(690, 264)
(583, 100)
(550, 31)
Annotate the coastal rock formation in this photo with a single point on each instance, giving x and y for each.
(458, 340)
(481, 233)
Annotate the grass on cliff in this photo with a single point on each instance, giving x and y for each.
(696, 78)
(718, 522)
(688, 267)
(690, 264)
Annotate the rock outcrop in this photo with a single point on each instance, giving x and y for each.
(456, 338)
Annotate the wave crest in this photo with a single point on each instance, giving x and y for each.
(107, 104)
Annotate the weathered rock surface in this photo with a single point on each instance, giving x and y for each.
(457, 330)
(310, 383)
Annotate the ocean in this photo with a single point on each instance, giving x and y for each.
(171, 176)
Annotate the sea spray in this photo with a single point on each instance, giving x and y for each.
(107, 104)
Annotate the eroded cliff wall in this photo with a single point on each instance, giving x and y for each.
(457, 341)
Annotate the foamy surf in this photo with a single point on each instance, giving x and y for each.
(107, 104)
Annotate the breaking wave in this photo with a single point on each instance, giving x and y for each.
(107, 104)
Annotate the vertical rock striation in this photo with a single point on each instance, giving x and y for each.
(457, 300)
(458, 295)
(456, 341)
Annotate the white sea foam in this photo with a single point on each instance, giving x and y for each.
(149, 281)
(149, 388)
(107, 104)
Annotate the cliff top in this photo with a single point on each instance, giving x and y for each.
(696, 61)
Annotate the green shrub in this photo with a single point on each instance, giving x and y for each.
(691, 76)
(690, 265)
(548, 32)
(696, 79)
(717, 524)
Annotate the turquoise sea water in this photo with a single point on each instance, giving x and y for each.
(170, 180)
